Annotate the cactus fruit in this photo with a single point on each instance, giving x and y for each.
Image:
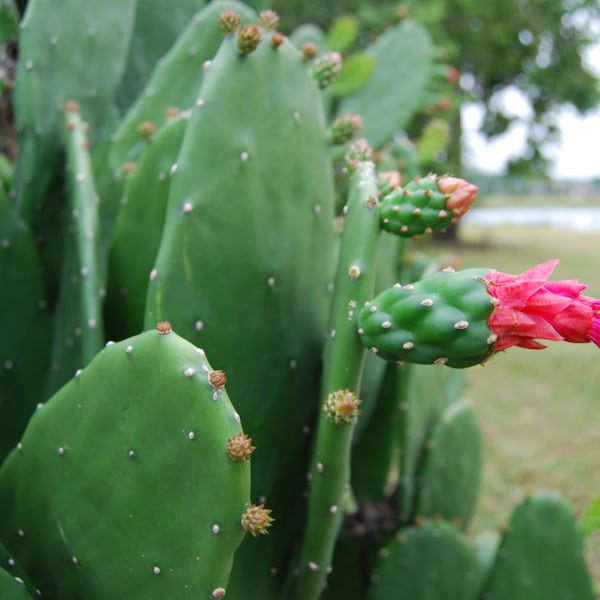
(425, 205)
(441, 319)
(143, 414)
(461, 318)
(432, 561)
(540, 555)
(448, 479)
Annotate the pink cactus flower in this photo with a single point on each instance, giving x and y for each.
(461, 194)
(528, 308)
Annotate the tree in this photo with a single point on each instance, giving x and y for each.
(535, 46)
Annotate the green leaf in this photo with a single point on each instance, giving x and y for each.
(343, 33)
(591, 519)
(356, 73)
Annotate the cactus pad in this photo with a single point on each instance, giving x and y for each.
(431, 562)
(94, 497)
(540, 555)
(451, 471)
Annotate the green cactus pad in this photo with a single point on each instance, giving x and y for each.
(428, 395)
(540, 555)
(25, 325)
(152, 36)
(138, 231)
(431, 562)
(12, 573)
(78, 323)
(174, 82)
(121, 486)
(417, 208)
(404, 56)
(441, 319)
(77, 52)
(12, 588)
(448, 482)
(245, 262)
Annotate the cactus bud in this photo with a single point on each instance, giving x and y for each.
(268, 19)
(402, 11)
(172, 112)
(229, 21)
(344, 128)
(308, 50)
(461, 194)
(248, 39)
(128, 168)
(452, 75)
(72, 107)
(359, 151)
(387, 182)
(146, 129)
(257, 519)
(341, 406)
(217, 379)
(327, 68)
(239, 447)
(164, 327)
(277, 39)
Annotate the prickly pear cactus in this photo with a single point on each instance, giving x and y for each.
(396, 88)
(441, 319)
(25, 325)
(540, 555)
(448, 481)
(12, 588)
(78, 322)
(433, 561)
(75, 53)
(122, 485)
(138, 231)
(246, 261)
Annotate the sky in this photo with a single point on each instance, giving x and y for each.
(577, 156)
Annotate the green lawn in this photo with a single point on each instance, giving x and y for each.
(539, 410)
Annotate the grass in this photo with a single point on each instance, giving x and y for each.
(539, 410)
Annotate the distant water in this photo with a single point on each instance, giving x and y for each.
(577, 218)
